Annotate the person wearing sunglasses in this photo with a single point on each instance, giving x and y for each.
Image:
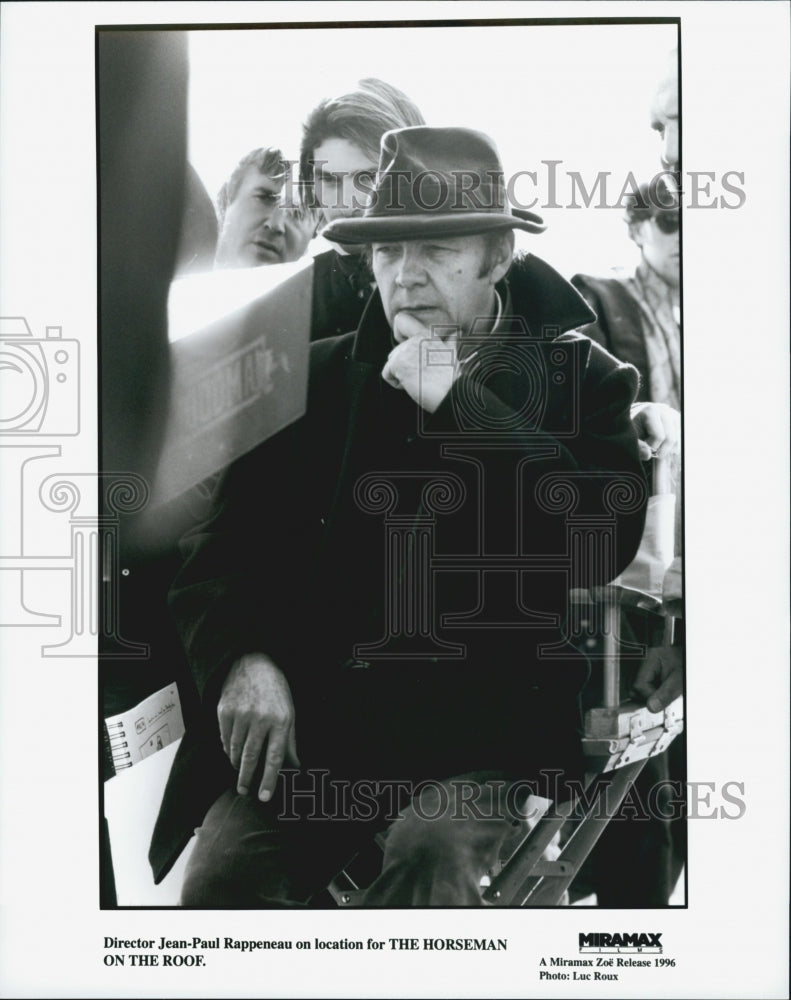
(638, 315)
(638, 321)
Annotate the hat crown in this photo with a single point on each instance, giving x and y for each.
(437, 171)
(435, 181)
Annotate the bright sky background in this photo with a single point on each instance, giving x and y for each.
(575, 93)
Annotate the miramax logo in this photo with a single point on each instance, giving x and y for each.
(647, 943)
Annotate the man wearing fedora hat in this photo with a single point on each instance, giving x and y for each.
(374, 613)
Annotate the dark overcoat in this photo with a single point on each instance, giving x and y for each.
(409, 571)
(618, 326)
(341, 287)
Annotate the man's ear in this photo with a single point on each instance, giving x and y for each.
(502, 257)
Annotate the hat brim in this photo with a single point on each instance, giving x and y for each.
(414, 227)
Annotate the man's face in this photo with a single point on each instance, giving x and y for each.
(664, 116)
(436, 282)
(258, 228)
(660, 251)
(342, 174)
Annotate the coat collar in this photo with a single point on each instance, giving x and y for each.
(544, 299)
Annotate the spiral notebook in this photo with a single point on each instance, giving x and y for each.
(141, 731)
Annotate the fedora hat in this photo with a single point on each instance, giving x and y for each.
(434, 182)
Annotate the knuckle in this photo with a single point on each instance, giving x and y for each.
(280, 718)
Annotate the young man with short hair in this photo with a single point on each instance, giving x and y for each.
(256, 225)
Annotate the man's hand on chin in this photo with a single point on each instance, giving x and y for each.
(423, 364)
(256, 709)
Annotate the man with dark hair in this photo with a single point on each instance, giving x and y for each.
(345, 132)
(338, 158)
(638, 315)
(260, 222)
(398, 588)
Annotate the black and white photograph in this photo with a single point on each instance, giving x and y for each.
(384, 517)
(428, 486)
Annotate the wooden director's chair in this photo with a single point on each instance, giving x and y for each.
(619, 738)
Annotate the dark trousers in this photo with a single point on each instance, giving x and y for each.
(436, 849)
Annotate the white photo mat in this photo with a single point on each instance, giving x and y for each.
(732, 939)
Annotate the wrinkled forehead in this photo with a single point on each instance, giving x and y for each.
(255, 179)
(426, 241)
(339, 156)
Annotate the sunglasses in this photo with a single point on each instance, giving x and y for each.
(667, 221)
